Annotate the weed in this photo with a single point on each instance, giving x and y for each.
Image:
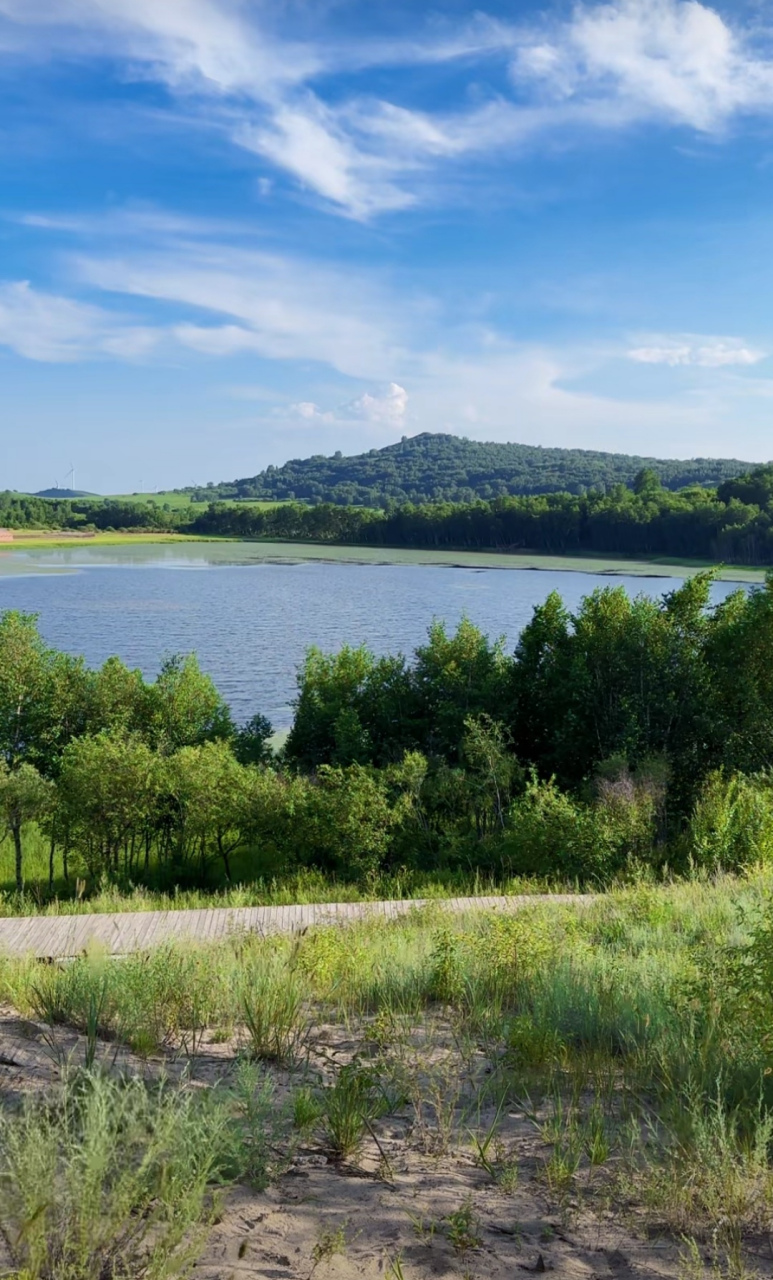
(348, 1107)
(462, 1229)
(424, 1228)
(307, 1109)
(272, 1009)
(329, 1243)
(258, 1128)
(595, 1138)
(108, 1178)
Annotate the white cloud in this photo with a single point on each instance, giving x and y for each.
(385, 408)
(609, 65)
(310, 412)
(693, 349)
(56, 330)
(678, 59)
(388, 408)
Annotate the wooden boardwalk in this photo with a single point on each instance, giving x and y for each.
(119, 933)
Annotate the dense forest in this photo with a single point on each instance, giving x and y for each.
(733, 523)
(632, 734)
(444, 468)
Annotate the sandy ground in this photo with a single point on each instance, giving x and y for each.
(390, 1212)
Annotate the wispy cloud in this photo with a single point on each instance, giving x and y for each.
(608, 65)
(58, 330)
(278, 307)
(695, 349)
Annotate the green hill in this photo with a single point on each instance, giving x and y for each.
(434, 467)
(63, 493)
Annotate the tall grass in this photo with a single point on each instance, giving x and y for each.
(109, 1179)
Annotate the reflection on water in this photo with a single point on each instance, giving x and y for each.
(250, 621)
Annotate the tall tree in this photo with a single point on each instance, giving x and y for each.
(25, 796)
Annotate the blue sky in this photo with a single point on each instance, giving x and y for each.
(234, 232)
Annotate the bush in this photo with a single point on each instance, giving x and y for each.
(551, 833)
(731, 827)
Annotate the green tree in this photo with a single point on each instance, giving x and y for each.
(494, 773)
(348, 822)
(326, 719)
(184, 708)
(108, 790)
(116, 698)
(252, 741)
(25, 687)
(210, 793)
(25, 796)
(456, 677)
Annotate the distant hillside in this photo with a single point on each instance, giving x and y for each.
(434, 467)
(63, 493)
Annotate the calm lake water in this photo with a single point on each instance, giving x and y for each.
(250, 621)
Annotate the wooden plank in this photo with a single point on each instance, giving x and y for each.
(67, 936)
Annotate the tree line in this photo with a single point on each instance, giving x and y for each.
(733, 523)
(27, 511)
(630, 733)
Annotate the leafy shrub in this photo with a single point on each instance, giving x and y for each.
(552, 833)
(731, 827)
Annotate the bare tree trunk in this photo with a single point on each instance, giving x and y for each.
(16, 831)
(51, 851)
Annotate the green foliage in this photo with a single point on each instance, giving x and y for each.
(549, 830)
(433, 466)
(611, 519)
(108, 786)
(442, 491)
(463, 1229)
(347, 823)
(25, 797)
(731, 826)
(630, 734)
(348, 1107)
(273, 1014)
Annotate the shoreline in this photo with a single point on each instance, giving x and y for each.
(278, 552)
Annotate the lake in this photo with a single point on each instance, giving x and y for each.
(250, 619)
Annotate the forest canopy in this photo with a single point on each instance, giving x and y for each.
(733, 523)
(434, 467)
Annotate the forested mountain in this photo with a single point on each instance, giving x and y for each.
(445, 468)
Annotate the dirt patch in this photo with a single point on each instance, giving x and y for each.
(414, 1200)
